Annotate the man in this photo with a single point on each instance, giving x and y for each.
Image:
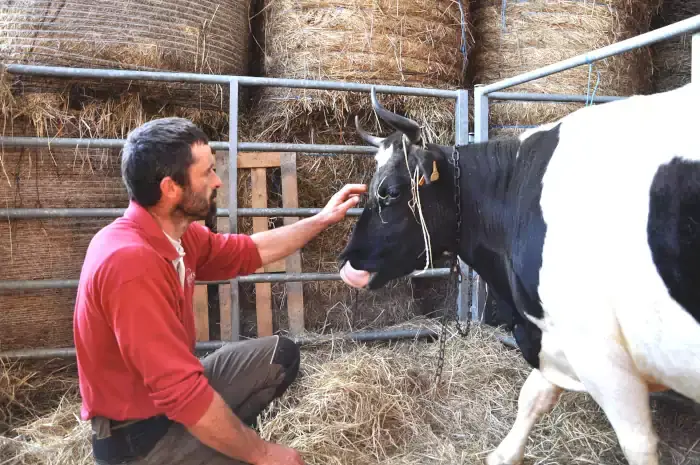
(150, 400)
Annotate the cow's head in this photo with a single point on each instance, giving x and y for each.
(388, 240)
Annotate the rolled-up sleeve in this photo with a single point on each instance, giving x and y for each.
(222, 256)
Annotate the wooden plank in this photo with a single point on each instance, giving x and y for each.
(201, 310)
(263, 291)
(258, 160)
(290, 199)
(223, 227)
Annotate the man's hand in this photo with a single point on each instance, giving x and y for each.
(223, 431)
(343, 200)
(281, 455)
(276, 244)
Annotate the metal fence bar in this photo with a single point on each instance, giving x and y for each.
(536, 97)
(462, 138)
(72, 142)
(37, 284)
(28, 213)
(648, 38)
(87, 73)
(206, 346)
(363, 336)
(695, 58)
(481, 134)
(233, 146)
(233, 201)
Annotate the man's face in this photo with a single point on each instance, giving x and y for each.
(198, 196)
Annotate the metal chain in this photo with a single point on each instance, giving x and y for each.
(456, 269)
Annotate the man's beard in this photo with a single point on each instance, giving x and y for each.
(196, 207)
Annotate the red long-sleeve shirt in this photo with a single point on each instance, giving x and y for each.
(134, 326)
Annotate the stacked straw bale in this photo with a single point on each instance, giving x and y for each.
(529, 34)
(370, 404)
(672, 57)
(210, 37)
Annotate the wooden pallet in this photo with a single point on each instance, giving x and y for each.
(258, 163)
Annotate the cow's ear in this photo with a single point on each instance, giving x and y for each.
(428, 166)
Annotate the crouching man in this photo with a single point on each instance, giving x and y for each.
(149, 398)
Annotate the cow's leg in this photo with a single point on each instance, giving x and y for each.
(610, 377)
(537, 397)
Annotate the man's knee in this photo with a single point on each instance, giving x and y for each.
(287, 355)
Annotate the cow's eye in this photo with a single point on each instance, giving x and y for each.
(393, 192)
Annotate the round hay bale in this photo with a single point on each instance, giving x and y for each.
(409, 43)
(672, 57)
(513, 37)
(206, 37)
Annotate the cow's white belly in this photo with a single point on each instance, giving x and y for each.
(598, 283)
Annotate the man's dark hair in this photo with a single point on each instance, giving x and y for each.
(155, 150)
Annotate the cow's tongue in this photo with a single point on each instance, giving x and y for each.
(353, 277)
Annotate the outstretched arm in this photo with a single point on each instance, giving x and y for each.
(276, 244)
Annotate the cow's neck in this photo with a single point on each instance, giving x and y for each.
(486, 172)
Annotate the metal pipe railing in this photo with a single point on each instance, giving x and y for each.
(30, 213)
(72, 142)
(484, 93)
(247, 81)
(205, 346)
(536, 97)
(368, 336)
(37, 284)
(233, 146)
(234, 291)
(663, 33)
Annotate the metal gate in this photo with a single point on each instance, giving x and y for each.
(233, 146)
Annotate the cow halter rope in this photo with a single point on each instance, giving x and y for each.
(456, 269)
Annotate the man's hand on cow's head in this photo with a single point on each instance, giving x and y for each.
(343, 200)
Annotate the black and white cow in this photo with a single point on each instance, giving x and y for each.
(588, 228)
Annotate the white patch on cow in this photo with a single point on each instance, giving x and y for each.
(537, 397)
(529, 132)
(610, 326)
(383, 155)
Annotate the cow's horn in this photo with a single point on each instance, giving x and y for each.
(406, 125)
(369, 138)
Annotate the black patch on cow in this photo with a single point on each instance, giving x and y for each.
(526, 334)
(673, 230)
(503, 227)
(529, 339)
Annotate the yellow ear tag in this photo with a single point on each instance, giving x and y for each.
(421, 181)
(435, 175)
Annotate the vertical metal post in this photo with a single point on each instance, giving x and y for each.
(462, 138)
(695, 58)
(481, 115)
(233, 199)
(481, 134)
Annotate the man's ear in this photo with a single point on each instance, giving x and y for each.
(169, 188)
